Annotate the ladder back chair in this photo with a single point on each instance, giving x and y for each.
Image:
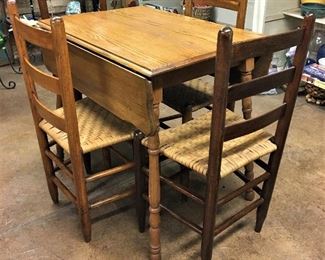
(79, 127)
(197, 93)
(219, 143)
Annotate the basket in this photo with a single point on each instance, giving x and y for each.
(203, 12)
(315, 94)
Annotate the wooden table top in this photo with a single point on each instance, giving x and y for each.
(146, 40)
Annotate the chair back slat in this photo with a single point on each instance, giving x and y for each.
(39, 38)
(251, 125)
(226, 4)
(247, 89)
(46, 81)
(271, 44)
(48, 115)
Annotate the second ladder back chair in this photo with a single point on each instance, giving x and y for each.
(78, 127)
(196, 94)
(219, 143)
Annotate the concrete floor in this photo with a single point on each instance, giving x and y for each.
(31, 227)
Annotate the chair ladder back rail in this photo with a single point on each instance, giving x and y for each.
(251, 125)
(65, 82)
(250, 88)
(239, 6)
(272, 43)
(43, 8)
(67, 94)
(222, 71)
(38, 37)
(48, 115)
(292, 89)
(47, 81)
(103, 5)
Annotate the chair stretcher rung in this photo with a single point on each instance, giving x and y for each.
(59, 163)
(188, 223)
(51, 143)
(245, 179)
(110, 172)
(242, 189)
(262, 164)
(112, 199)
(66, 163)
(64, 189)
(180, 188)
(167, 118)
(218, 229)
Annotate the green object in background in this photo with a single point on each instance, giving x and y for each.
(2, 40)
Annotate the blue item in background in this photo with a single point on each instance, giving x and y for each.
(73, 7)
(321, 52)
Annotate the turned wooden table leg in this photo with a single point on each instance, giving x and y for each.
(246, 70)
(154, 185)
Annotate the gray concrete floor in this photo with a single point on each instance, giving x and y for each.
(31, 227)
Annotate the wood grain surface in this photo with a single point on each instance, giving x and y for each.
(145, 40)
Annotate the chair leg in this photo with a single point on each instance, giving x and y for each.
(185, 181)
(48, 166)
(107, 157)
(81, 192)
(141, 204)
(267, 191)
(209, 217)
(87, 162)
(231, 106)
(249, 168)
(249, 172)
(187, 114)
(59, 149)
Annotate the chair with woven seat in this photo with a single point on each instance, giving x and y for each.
(78, 127)
(197, 93)
(219, 143)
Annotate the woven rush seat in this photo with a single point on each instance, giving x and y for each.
(98, 128)
(188, 144)
(196, 93)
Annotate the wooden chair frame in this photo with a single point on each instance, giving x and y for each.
(223, 93)
(238, 6)
(61, 85)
